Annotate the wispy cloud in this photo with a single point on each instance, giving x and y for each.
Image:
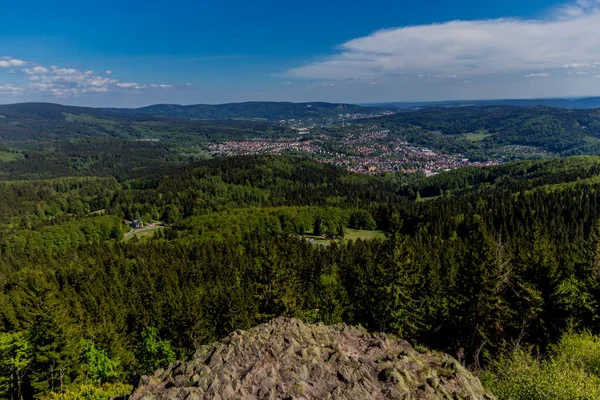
(565, 39)
(10, 89)
(36, 70)
(537, 75)
(575, 66)
(65, 81)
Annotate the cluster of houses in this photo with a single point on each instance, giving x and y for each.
(368, 153)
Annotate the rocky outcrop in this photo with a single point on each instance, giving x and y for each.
(287, 359)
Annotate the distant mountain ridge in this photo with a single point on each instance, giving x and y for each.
(272, 111)
(574, 103)
(252, 110)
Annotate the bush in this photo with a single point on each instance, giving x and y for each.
(154, 353)
(91, 392)
(571, 372)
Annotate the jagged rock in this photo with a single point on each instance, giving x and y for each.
(287, 359)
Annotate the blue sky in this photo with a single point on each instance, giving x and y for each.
(132, 53)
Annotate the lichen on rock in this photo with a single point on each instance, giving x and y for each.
(287, 359)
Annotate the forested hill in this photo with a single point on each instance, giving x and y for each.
(45, 122)
(563, 131)
(273, 111)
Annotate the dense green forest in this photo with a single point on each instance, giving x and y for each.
(476, 262)
(556, 130)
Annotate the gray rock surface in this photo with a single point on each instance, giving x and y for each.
(287, 359)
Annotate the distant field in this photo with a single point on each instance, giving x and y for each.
(99, 212)
(349, 235)
(89, 119)
(353, 234)
(478, 136)
(142, 233)
(7, 156)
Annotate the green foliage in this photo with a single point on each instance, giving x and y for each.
(362, 219)
(90, 392)
(571, 372)
(16, 356)
(100, 368)
(154, 353)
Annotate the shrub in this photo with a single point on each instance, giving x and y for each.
(91, 392)
(571, 372)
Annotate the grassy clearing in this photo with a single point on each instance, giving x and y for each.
(477, 136)
(353, 234)
(99, 212)
(89, 119)
(142, 234)
(349, 235)
(8, 156)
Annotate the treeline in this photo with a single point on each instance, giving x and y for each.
(71, 233)
(242, 223)
(37, 202)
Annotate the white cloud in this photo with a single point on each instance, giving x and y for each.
(6, 62)
(108, 72)
(156, 86)
(133, 85)
(537, 75)
(11, 89)
(64, 82)
(128, 85)
(575, 66)
(63, 71)
(36, 70)
(566, 39)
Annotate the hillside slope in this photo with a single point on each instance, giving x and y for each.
(286, 359)
(560, 131)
